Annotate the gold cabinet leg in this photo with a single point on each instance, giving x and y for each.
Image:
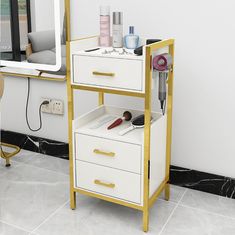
(101, 98)
(169, 122)
(146, 220)
(167, 192)
(147, 130)
(73, 200)
(8, 162)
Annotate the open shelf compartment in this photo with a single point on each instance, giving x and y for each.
(86, 123)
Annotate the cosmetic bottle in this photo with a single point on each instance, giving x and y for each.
(104, 26)
(131, 40)
(117, 29)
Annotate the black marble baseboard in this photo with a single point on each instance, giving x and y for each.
(202, 181)
(36, 144)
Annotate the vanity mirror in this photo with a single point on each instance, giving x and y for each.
(32, 37)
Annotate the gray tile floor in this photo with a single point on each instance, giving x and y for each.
(34, 199)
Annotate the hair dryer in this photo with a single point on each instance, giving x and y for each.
(162, 63)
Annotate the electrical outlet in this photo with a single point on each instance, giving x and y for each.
(46, 108)
(57, 107)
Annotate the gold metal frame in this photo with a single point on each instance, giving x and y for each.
(39, 77)
(8, 155)
(109, 91)
(147, 201)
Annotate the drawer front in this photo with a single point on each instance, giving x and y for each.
(107, 181)
(109, 153)
(108, 72)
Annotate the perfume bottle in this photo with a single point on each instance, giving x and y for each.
(131, 40)
(104, 26)
(117, 29)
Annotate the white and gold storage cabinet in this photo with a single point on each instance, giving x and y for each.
(131, 170)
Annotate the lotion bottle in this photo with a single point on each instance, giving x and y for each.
(117, 40)
(104, 26)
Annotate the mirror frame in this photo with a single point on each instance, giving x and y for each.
(43, 67)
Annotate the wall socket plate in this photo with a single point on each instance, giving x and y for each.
(54, 107)
(46, 108)
(57, 107)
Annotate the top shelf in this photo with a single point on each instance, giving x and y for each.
(101, 70)
(110, 52)
(109, 70)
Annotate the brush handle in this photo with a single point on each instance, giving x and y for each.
(115, 123)
(102, 122)
(123, 132)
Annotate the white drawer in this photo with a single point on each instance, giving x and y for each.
(126, 74)
(107, 181)
(108, 152)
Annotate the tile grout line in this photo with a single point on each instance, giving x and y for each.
(50, 216)
(170, 216)
(26, 164)
(14, 226)
(208, 212)
(4, 173)
(199, 191)
(171, 202)
(23, 163)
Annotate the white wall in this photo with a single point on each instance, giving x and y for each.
(204, 113)
(13, 108)
(203, 121)
(42, 14)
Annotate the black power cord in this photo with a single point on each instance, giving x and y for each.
(39, 110)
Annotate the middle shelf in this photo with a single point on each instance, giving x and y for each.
(87, 123)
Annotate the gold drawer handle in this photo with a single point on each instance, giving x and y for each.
(108, 154)
(108, 185)
(103, 74)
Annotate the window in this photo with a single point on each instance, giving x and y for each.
(15, 25)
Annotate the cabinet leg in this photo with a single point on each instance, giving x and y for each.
(8, 162)
(146, 220)
(167, 192)
(73, 200)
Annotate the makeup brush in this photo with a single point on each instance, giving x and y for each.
(126, 116)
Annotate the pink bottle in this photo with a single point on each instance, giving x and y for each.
(104, 26)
